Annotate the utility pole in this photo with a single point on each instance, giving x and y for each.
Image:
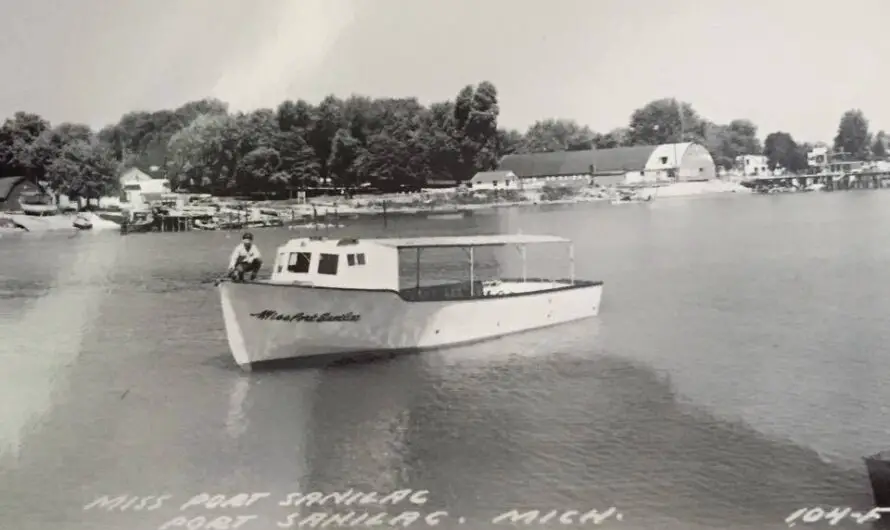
(679, 110)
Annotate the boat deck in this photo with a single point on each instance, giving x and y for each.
(484, 289)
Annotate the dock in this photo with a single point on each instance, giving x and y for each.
(831, 181)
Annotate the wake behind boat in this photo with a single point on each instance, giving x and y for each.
(329, 296)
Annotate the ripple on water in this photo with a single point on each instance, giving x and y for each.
(740, 342)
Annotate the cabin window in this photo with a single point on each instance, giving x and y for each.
(327, 264)
(360, 259)
(299, 262)
(664, 160)
(350, 259)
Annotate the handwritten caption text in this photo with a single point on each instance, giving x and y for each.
(352, 508)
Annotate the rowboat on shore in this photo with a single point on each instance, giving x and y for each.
(81, 222)
(344, 297)
(9, 225)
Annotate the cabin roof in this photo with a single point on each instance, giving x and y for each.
(468, 241)
(428, 242)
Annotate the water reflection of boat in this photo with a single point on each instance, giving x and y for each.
(449, 213)
(445, 216)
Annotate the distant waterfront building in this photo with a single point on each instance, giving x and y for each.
(494, 180)
(818, 157)
(15, 191)
(608, 167)
(138, 188)
(752, 165)
(821, 159)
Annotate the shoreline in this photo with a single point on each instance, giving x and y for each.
(301, 214)
(58, 222)
(333, 206)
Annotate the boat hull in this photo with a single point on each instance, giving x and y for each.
(39, 209)
(267, 322)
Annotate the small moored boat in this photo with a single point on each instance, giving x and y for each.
(139, 221)
(205, 225)
(39, 209)
(82, 223)
(329, 296)
(631, 198)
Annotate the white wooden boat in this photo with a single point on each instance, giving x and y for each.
(315, 226)
(81, 222)
(205, 225)
(39, 209)
(631, 198)
(330, 296)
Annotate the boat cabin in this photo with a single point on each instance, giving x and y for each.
(343, 263)
(374, 264)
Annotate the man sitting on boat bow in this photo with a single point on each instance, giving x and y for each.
(245, 258)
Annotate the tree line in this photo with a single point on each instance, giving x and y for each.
(360, 142)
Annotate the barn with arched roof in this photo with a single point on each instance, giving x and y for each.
(621, 165)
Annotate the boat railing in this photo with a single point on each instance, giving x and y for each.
(446, 291)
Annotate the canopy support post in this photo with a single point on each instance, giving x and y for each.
(524, 264)
(572, 263)
(472, 271)
(417, 270)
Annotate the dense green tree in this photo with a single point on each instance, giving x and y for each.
(18, 145)
(665, 121)
(388, 143)
(879, 147)
(852, 136)
(558, 135)
(619, 137)
(726, 142)
(782, 151)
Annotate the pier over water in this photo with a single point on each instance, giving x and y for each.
(830, 181)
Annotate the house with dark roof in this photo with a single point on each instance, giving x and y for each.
(609, 167)
(494, 180)
(14, 191)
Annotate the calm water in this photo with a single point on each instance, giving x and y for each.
(736, 374)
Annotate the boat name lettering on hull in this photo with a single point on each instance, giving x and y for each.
(269, 314)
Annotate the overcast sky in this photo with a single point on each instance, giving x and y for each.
(790, 65)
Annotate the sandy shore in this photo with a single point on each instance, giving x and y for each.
(59, 222)
(686, 189)
(407, 204)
